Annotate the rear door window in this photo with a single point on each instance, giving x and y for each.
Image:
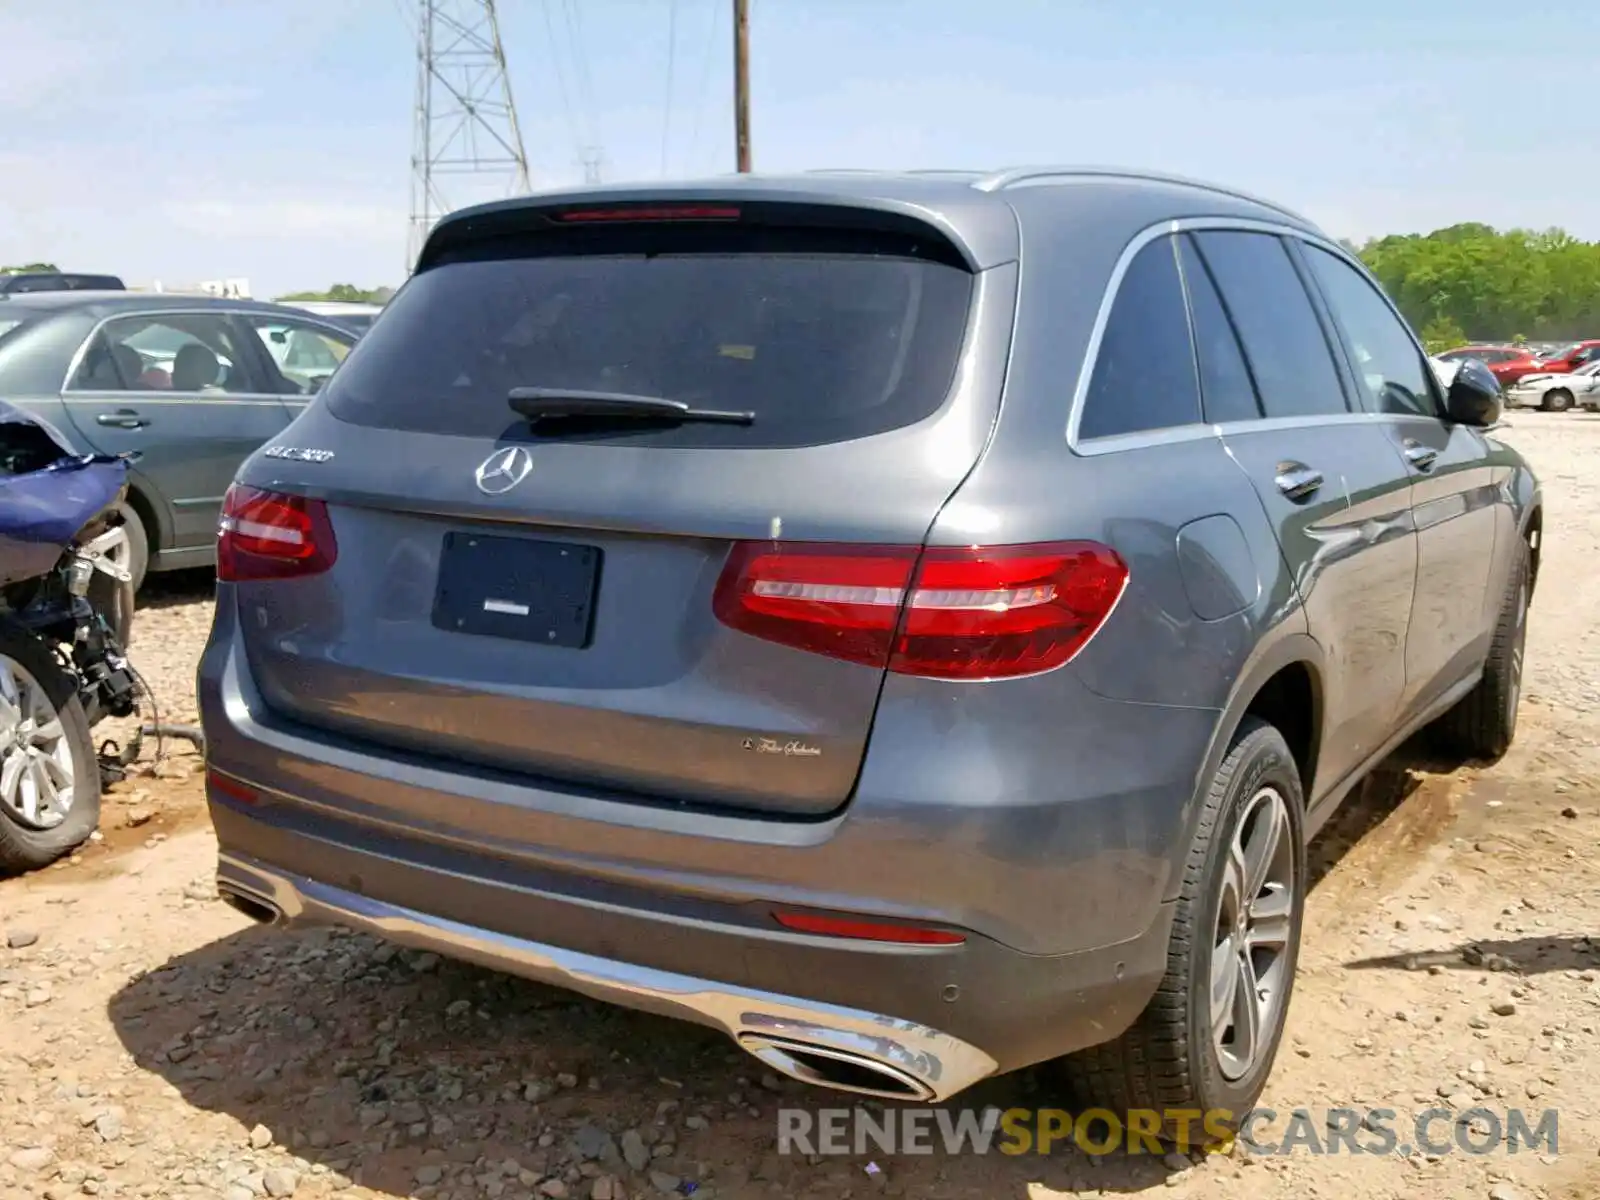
(823, 337)
(1144, 374)
(167, 352)
(1227, 391)
(1283, 339)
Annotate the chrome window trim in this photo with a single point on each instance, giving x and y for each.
(1090, 447)
(67, 390)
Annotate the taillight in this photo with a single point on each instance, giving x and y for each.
(267, 535)
(971, 612)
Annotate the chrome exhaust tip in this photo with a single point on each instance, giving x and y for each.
(257, 909)
(843, 1070)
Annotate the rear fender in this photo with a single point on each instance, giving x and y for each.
(1292, 645)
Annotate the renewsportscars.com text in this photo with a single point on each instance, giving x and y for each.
(1263, 1131)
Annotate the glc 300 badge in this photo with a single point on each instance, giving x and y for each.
(298, 454)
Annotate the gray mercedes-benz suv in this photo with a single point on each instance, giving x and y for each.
(911, 622)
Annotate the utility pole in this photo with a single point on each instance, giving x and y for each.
(465, 121)
(741, 83)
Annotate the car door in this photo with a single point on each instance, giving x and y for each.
(183, 389)
(1454, 498)
(1330, 480)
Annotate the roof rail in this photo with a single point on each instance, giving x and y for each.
(957, 172)
(998, 181)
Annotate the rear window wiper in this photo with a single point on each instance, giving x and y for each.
(538, 403)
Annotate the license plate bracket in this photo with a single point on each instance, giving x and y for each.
(517, 588)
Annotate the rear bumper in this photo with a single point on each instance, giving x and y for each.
(915, 1060)
(1047, 839)
(938, 1017)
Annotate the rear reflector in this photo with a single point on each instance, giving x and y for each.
(674, 212)
(231, 789)
(971, 612)
(868, 931)
(267, 535)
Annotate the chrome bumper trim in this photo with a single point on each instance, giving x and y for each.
(938, 1064)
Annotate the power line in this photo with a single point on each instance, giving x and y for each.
(573, 12)
(672, 59)
(706, 60)
(561, 79)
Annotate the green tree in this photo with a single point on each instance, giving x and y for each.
(347, 293)
(1440, 334)
(29, 269)
(1488, 285)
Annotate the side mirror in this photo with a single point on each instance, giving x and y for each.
(1474, 395)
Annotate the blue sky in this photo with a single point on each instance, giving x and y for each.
(183, 140)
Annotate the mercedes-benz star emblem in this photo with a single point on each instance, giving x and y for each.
(503, 470)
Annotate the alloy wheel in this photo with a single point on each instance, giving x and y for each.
(1250, 955)
(1519, 641)
(37, 776)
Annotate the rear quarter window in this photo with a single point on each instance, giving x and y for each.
(1144, 375)
(823, 335)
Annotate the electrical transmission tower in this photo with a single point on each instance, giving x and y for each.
(465, 122)
(592, 159)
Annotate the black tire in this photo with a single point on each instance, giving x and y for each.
(1168, 1061)
(1483, 723)
(23, 848)
(138, 545)
(1556, 400)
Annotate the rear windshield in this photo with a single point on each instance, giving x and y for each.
(824, 337)
(17, 285)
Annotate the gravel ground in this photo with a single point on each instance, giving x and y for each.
(153, 1044)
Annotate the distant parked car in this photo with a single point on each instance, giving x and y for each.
(193, 383)
(357, 317)
(1568, 358)
(1509, 363)
(19, 282)
(1557, 392)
